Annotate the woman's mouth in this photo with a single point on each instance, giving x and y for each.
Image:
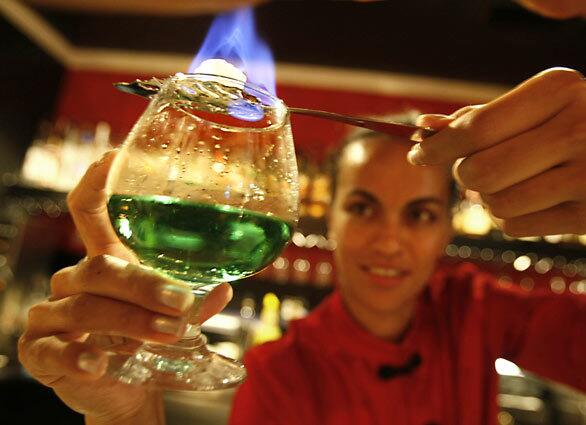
(386, 276)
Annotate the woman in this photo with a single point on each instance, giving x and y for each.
(400, 341)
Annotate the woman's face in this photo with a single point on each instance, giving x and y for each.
(391, 222)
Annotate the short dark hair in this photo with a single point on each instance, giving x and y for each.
(334, 157)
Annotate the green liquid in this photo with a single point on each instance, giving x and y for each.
(198, 243)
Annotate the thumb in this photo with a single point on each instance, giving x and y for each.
(87, 204)
(439, 121)
(215, 301)
(435, 121)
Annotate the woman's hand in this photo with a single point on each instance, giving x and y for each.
(107, 300)
(525, 153)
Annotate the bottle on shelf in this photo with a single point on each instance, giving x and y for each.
(320, 195)
(268, 328)
(41, 162)
(60, 154)
(293, 308)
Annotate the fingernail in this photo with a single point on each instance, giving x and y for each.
(420, 121)
(423, 118)
(92, 363)
(415, 155)
(168, 325)
(107, 155)
(176, 296)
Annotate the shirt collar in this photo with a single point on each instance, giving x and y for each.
(331, 329)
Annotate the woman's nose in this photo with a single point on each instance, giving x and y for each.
(390, 238)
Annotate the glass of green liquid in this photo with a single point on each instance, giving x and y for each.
(204, 190)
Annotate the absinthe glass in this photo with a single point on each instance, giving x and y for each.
(204, 196)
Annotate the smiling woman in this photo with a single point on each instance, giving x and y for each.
(389, 235)
(404, 338)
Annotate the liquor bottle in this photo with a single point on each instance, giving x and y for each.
(293, 308)
(268, 328)
(320, 195)
(40, 167)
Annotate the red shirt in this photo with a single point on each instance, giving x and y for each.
(326, 369)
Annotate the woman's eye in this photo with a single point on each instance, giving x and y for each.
(423, 216)
(360, 209)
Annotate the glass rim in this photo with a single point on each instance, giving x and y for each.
(282, 112)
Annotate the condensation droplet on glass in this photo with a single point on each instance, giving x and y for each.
(258, 194)
(217, 146)
(201, 143)
(164, 145)
(178, 150)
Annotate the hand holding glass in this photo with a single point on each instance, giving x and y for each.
(204, 196)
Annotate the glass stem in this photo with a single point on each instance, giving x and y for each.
(193, 330)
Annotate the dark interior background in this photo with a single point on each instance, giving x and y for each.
(478, 40)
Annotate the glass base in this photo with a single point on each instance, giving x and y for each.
(185, 366)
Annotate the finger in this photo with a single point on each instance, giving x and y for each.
(528, 105)
(515, 160)
(439, 121)
(112, 277)
(49, 359)
(435, 121)
(215, 301)
(465, 110)
(110, 343)
(560, 219)
(87, 204)
(94, 314)
(553, 187)
(113, 343)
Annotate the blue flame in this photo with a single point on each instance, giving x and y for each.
(233, 37)
(246, 111)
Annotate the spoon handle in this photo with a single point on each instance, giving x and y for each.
(387, 127)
